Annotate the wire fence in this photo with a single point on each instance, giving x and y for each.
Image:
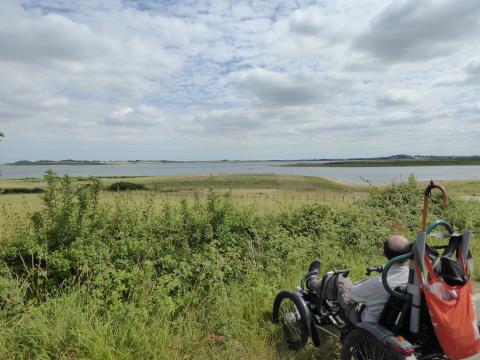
(311, 197)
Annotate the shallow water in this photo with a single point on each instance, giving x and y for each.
(357, 175)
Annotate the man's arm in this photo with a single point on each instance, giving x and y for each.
(363, 292)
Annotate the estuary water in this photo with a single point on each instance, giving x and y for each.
(356, 175)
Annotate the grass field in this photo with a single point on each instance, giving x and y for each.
(224, 181)
(259, 183)
(267, 192)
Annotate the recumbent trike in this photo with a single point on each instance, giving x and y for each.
(405, 329)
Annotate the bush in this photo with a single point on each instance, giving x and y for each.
(35, 190)
(125, 185)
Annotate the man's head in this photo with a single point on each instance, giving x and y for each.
(395, 245)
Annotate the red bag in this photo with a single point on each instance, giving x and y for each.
(452, 312)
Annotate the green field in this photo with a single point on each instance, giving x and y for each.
(91, 274)
(242, 183)
(268, 191)
(230, 181)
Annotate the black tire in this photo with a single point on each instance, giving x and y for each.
(361, 345)
(291, 315)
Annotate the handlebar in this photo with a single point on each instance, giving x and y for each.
(426, 195)
(388, 265)
(343, 272)
(437, 224)
(378, 268)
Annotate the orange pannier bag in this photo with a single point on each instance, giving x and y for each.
(452, 312)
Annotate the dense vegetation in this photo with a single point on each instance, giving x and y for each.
(86, 279)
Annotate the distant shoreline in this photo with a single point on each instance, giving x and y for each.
(390, 163)
(132, 162)
(88, 162)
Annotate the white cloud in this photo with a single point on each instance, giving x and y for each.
(389, 100)
(410, 30)
(284, 89)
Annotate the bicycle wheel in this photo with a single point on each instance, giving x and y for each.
(290, 314)
(360, 345)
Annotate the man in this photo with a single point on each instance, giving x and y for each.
(370, 292)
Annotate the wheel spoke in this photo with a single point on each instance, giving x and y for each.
(366, 351)
(289, 318)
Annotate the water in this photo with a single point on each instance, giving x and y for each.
(356, 175)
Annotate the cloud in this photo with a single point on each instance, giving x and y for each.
(307, 33)
(403, 119)
(472, 72)
(52, 52)
(309, 23)
(127, 117)
(391, 101)
(469, 108)
(282, 89)
(55, 40)
(230, 121)
(410, 30)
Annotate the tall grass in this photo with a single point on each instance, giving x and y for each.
(85, 279)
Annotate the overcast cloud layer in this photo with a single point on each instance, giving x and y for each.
(201, 80)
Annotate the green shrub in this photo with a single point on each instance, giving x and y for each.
(125, 186)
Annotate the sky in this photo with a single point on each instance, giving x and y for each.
(209, 80)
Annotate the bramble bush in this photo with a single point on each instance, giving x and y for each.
(88, 279)
(125, 186)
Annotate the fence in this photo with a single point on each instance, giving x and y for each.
(315, 197)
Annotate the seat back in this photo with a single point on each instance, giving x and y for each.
(396, 313)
